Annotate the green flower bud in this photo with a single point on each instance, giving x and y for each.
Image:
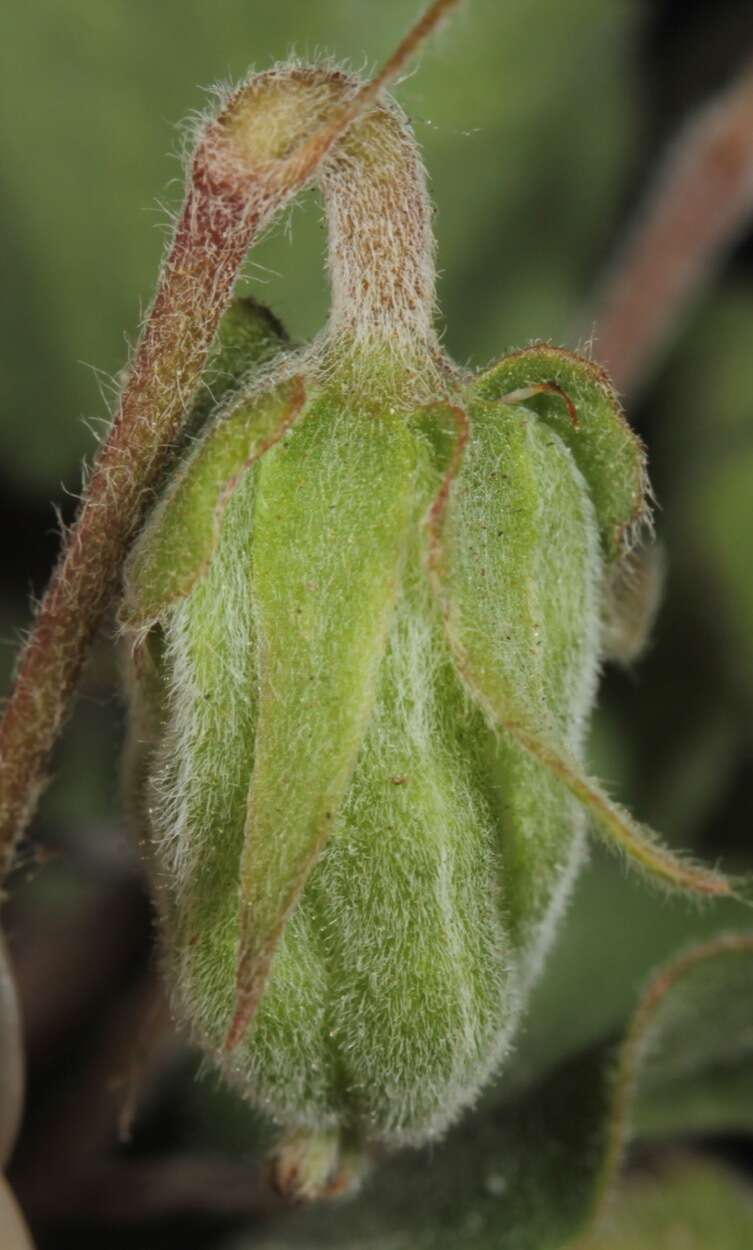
(366, 620)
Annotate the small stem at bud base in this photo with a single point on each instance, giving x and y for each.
(234, 190)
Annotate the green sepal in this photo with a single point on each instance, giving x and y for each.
(249, 336)
(177, 543)
(484, 531)
(332, 513)
(512, 538)
(526, 603)
(608, 453)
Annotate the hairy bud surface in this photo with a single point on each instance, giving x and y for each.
(365, 623)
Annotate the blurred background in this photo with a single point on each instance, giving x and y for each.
(541, 125)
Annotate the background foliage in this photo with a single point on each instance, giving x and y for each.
(540, 124)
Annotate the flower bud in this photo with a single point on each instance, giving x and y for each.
(366, 620)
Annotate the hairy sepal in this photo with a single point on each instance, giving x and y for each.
(177, 544)
(249, 336)
(477, 541)
(332, 512)
(606, 450)
(512, 543)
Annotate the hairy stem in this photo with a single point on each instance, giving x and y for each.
(374, 190)
(241, 174)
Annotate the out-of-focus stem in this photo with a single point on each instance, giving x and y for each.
(232, 194)
(699, 204)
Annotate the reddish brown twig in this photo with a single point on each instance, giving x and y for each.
(697, 208)
(233, 192)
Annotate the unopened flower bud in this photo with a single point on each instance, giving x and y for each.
(366, 621)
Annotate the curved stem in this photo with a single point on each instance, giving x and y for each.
(247, 163)
(374, 191)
